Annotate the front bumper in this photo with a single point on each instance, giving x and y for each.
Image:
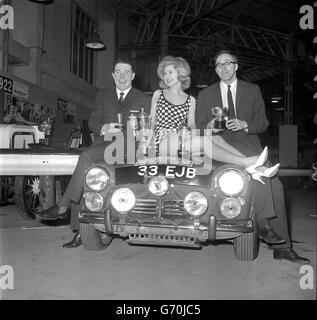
(155, 232)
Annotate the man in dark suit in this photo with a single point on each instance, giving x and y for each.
(247, 119)
(103, 122)
(117, 100)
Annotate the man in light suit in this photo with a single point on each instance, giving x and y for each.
(247, 119)
(110, 102)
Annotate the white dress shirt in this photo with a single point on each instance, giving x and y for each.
(125, 92)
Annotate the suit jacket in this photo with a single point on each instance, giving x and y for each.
(107, 107)
(249, 107)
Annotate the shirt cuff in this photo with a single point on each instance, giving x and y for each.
(246, 128)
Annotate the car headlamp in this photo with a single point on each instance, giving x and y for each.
(231, 182)
(93, 201)
(195, 203)
(158, 186)
(230, 208)
(123, 200)
(97, 178)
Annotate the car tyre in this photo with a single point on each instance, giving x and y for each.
(92, 238)
(246, 246)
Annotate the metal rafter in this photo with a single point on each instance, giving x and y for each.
(192, 28)
(189, 20)
(260, 40)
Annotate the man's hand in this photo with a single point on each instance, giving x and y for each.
(211, 125)
(110, 128)
(236, 124)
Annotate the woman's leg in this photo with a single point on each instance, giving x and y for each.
(215, 147)
(218, 152)
(218, 140)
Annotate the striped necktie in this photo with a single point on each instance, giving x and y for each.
(121, 97)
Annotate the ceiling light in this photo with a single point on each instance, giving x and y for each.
(42, 1)
(95, 42)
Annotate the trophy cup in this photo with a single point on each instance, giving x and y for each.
(119, 120)
(221, 116)
(133, 122)
(184, 136)
(144, 126)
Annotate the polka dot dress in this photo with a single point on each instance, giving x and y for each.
(169, 117)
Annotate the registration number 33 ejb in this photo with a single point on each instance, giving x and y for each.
(169, 172)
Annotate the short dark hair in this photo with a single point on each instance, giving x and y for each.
(234, 56)
(125, 61)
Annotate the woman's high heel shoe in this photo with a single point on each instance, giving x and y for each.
(259, 162)
(268, 173)
(262, 158)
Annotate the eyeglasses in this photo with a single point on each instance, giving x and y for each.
(225, 64)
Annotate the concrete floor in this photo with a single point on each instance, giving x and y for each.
(45, 270)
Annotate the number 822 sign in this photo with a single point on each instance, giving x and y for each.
(6, 84)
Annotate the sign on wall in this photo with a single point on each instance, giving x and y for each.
(62, 104)
(6, 84)
(20, 90)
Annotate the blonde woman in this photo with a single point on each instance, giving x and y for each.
(172, 108)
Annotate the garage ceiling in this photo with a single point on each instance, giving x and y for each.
(261, 32)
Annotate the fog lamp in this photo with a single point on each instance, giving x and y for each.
(195, 203)
(123, 200)
(158, 186)
(93, 201)
(230, 208)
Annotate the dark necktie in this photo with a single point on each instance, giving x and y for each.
(121, 97)
(232, 113)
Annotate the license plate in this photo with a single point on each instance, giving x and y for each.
(169, 171)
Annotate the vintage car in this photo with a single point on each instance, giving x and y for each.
(168, 202)
(33, 173)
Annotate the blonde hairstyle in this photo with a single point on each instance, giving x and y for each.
(180, 65)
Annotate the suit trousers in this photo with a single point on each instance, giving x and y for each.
(279, 223)
(269, 203)
(74, 190)
(269, 199)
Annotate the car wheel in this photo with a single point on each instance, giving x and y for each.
(92, 238)
(33, 193)
(246, 246)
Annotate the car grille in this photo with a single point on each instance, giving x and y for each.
(169, 207)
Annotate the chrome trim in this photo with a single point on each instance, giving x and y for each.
(149, 206)
(167, 240)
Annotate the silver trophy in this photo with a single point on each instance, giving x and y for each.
(119, 121)
(184, 133)
(144, 126)
(221, 117)
(133, 122)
